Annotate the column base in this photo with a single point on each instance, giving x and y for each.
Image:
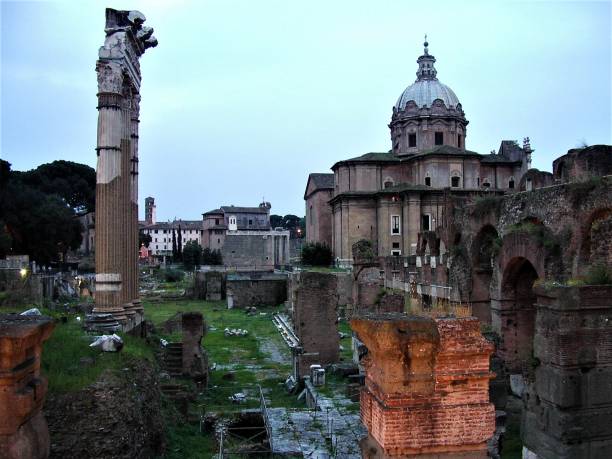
(106, 320)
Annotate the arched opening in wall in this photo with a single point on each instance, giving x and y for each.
(485, 247)
(596, 241)
(511, 183)
(388, 183)
(518, 316)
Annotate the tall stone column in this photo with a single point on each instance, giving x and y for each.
(119, 79)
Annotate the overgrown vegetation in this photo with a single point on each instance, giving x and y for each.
(579, 191)
(316, 254)
(539, 232)
(484, 205)
(172, 275)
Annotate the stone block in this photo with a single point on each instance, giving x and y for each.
(23, 430)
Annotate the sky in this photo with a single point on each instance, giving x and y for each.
(242, 100)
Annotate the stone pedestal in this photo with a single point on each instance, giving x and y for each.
(426, 387)
(23, 429)
(568, 410)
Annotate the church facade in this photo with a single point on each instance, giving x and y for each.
(389, 198)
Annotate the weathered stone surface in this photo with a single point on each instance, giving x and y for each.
(118, 72)
(568, 409)
(426, 387)
(315, 320)
(255, 290)
(195, 361)
(23, 430)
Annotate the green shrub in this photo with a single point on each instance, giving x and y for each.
(599, 275)
(316, 254)
(487, 204)
(173, 275)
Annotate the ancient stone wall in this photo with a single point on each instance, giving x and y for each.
(195, 363)
(569, 405)
(209, 285)
(426, 386)
(23, 429)
(257, 292)
(315, 319)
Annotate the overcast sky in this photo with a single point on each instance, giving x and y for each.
(241, 100)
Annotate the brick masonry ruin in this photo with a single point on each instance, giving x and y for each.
(23, 429)
(256, 289)
(315, 320)
(426, 386)
(568, 409)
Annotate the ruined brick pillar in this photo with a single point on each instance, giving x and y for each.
(23, 429)
(315, 320)
(195, 363)
(426, 388)
(119, 79)
(568, 412)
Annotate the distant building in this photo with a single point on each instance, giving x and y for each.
(319, 191)
(245, 238)
(161, 234)
(390, 198)
(150, 217)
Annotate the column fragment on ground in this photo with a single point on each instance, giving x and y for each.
(23, 429)
(118, 71)
(426, 387)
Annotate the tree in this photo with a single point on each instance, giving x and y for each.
(179, 244)
(144, 238)
(174, 250)
(276, 221)
(316, 254)
(192, 255)
(294, 223)
(211, 257)
(73, 182)
(39, 225)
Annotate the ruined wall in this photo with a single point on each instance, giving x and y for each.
(315, 319)
(426, 386)
(23, 429)
(209, 285)
(257, 292)
(16, 290)
(569, 406)
(195, 363)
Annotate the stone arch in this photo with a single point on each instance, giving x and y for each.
(485, 247)
(595, 245)
(518, 318)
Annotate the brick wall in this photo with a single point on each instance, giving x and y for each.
(427, 382)
(257, 292)
(569, 407)
(315, 319)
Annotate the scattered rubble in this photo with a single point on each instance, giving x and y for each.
(235, 332)
(108, 343)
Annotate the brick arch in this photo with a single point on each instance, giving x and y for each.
(483, 250)
(517, 311)
(594, 250)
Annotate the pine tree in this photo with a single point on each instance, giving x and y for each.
(174, 251)
(179, 248)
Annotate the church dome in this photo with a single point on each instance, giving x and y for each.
(424, 92)
(427, 88)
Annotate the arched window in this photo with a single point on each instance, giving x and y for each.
(427, 180)
(511, 183)
(388, 183)
(486, 183)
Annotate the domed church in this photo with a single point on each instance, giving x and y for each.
(391, 198)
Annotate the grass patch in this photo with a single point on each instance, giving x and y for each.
(70, 364)
(512, 447)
